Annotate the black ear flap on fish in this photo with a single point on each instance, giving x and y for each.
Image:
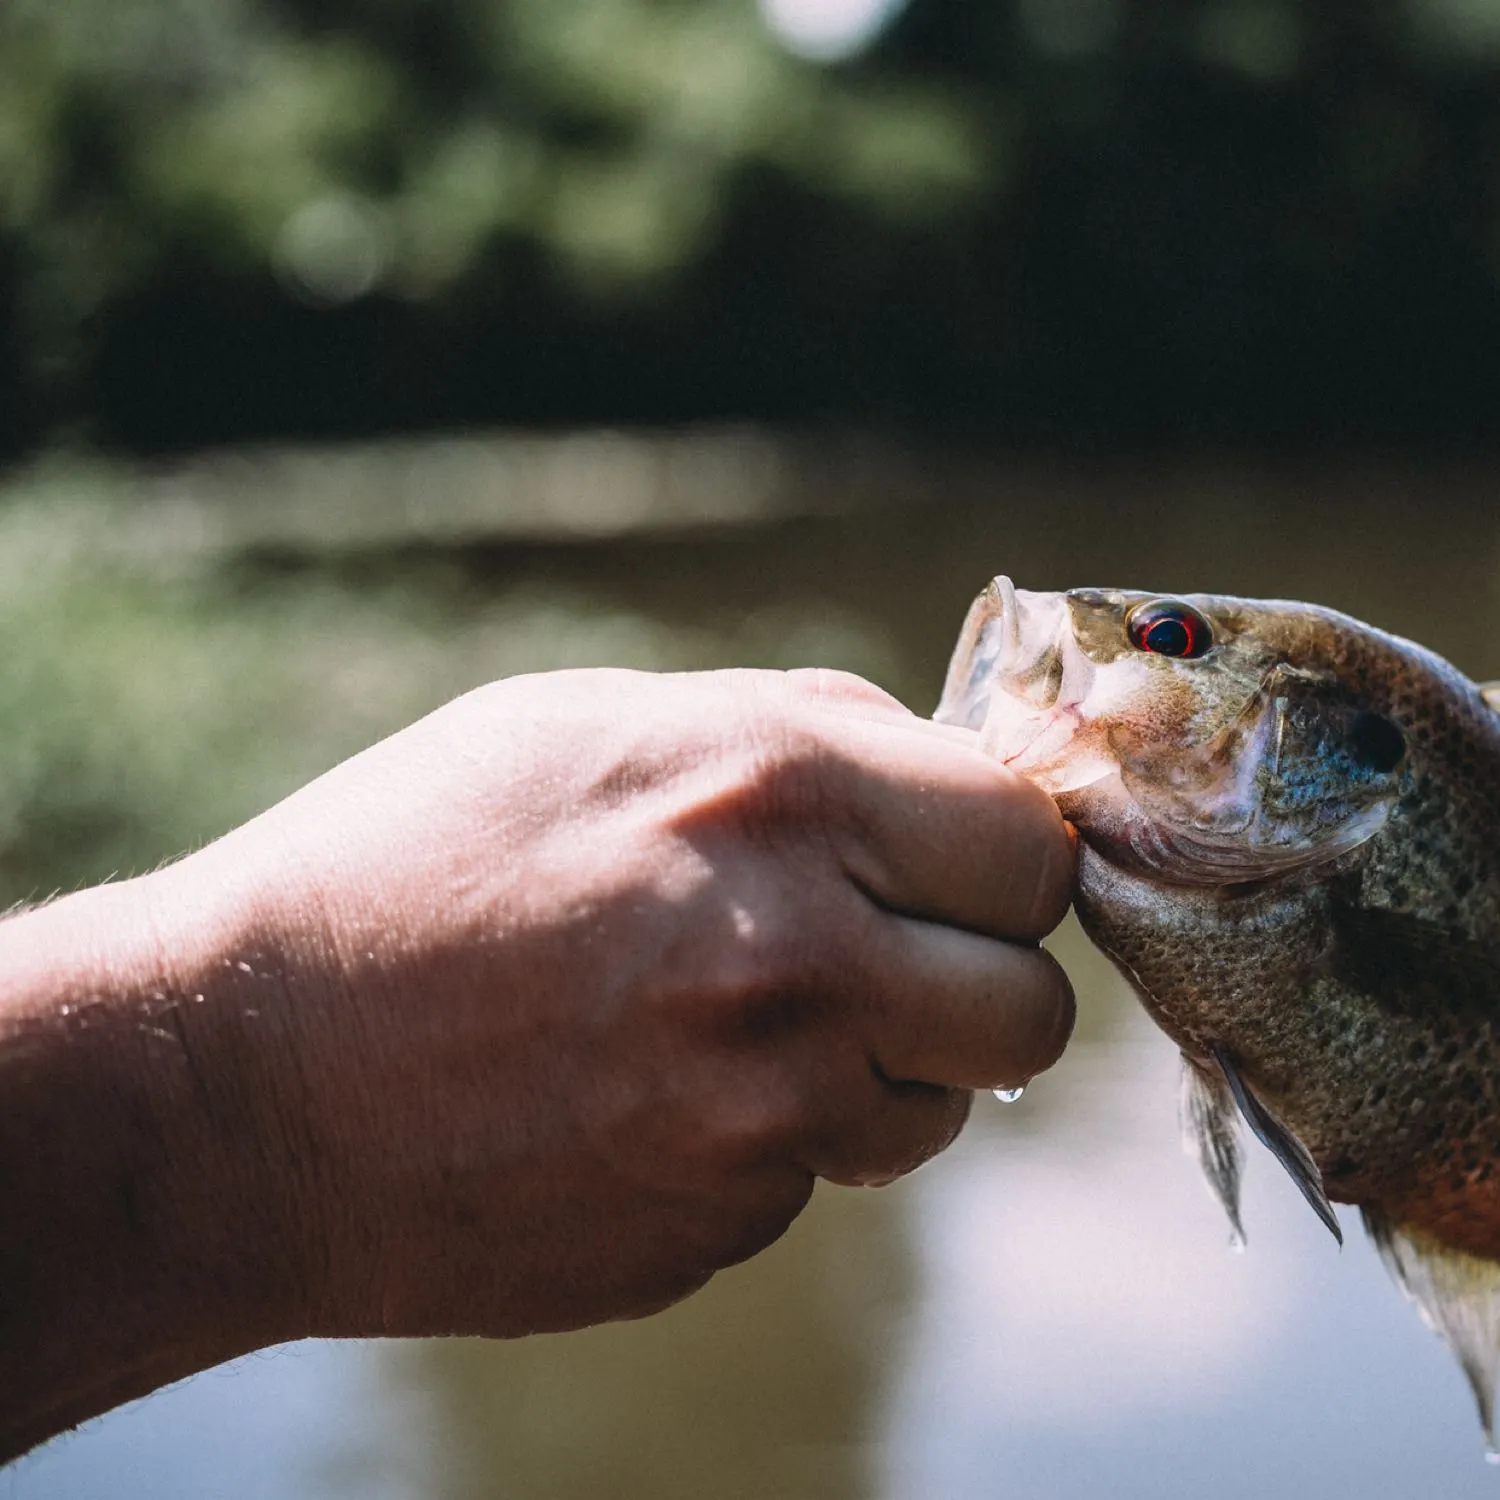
(1458, 1296)
(1211, 1132)
(1279, 1141)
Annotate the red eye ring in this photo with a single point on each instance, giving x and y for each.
(1168, 627)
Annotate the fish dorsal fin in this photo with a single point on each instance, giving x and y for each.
(1211, 1133)
(1490, 692)
(1458, 1296)
(1279, 1141)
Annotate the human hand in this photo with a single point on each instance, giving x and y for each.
(534, 1015)
(591, 974)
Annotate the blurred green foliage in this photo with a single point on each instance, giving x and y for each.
(1086, 221)
(157, 697)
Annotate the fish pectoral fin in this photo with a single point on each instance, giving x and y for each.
(1211, 1132)
(1490, 692)
(1458, 1296)
(1278, 1139)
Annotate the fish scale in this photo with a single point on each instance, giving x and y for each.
(1289, 834)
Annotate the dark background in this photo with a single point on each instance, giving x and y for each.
(1088, 225)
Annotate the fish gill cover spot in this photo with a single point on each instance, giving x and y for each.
(1376, 743)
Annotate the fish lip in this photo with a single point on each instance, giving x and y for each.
(1010, 619)
(1031, 670)
(1038, 682)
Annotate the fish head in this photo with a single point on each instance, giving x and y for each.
(1198, 739)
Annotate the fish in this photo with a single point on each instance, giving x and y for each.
(1289, 845)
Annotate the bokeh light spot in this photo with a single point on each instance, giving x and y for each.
(333, 250)
(828, 31)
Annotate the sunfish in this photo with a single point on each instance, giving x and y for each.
(1290, 846)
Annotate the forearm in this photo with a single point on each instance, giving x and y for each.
(143, 1232)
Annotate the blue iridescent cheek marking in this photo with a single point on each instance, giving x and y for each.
(1318, 779)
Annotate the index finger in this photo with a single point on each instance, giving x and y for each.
(928, 825)
(850, 695)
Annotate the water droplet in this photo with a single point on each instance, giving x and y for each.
(1491, 1453)
(1009, 1096)
(1237, 1242)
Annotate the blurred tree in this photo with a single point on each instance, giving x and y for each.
(1092, 222)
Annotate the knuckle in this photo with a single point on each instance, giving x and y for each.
(751, 1126)
(785, 778)
(759, 972)
(775, 785)
(831, 684)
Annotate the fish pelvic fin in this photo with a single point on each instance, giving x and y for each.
(1458, 1296)
(1211, 1133)
(1279, 1140)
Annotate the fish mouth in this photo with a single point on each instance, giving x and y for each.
(1029, 665)
(1033, 710)
(1013, 643)
(1020, 679)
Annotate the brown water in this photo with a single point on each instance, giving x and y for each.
(1051, 1310)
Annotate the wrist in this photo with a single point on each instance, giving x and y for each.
(232, 1011)
(142, 1173)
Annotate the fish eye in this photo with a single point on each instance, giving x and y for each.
(1168, 627)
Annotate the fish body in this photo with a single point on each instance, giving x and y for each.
(1290, 845)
